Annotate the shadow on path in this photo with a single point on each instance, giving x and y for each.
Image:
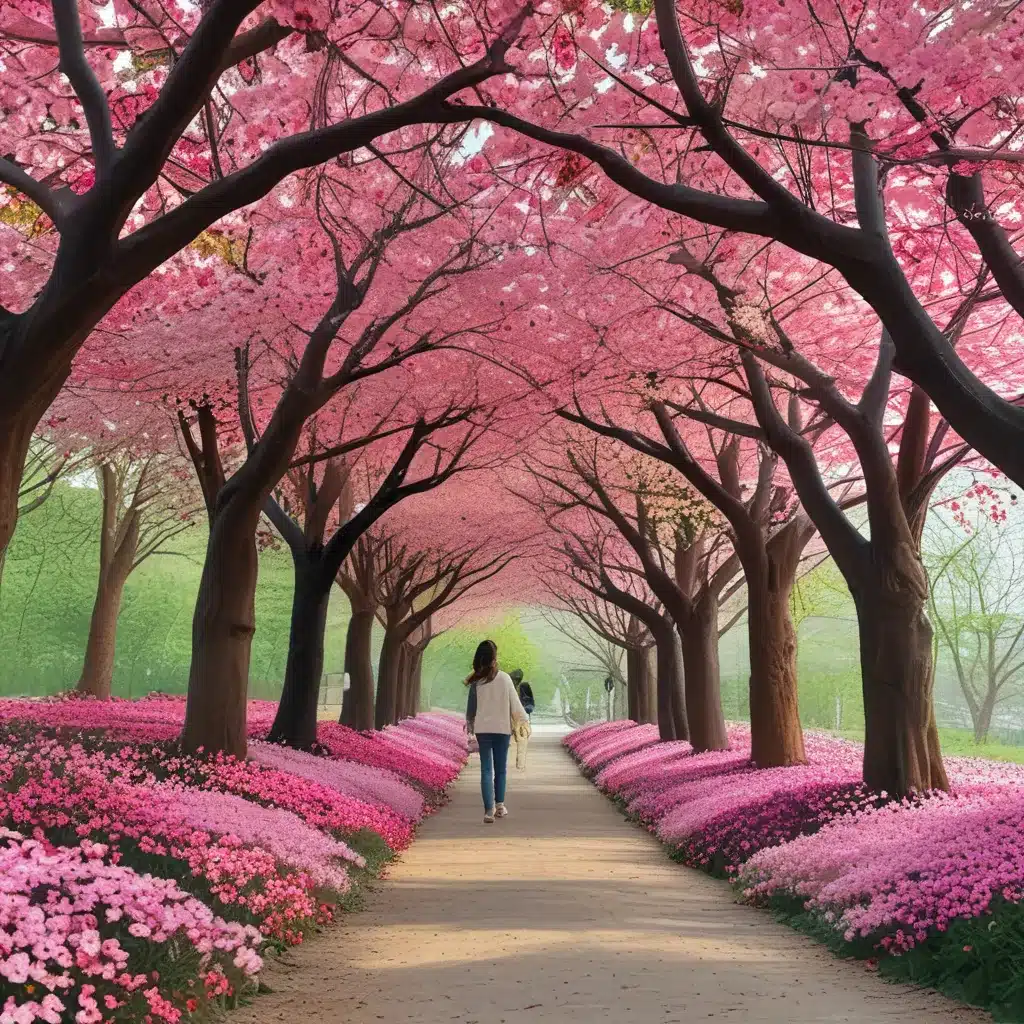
(566, 912)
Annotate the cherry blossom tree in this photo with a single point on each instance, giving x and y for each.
(768, 542)
(883, 571)
(414, 585)
(133, 128)
(667, 530)
(835, 130)
(321, 527)
(374, 297)
(588, 547)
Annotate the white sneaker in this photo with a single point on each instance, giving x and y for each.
(489, 818)
(501, 811)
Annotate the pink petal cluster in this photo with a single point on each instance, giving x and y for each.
(382, 750)
(61, 792)
(150, 720)
(320, 805)
(599, 748)
(282, 833)
(897, 873)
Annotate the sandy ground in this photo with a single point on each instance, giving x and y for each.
(565, 912)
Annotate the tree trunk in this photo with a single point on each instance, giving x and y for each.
(680, 721)
(671, 715)
(98, 668)
(649, 678)
(901, 738)
(983, 719)
(416, 680)
(222, 630)
(702, 677)
(634, 656)
(295, 722)
(388, 677)
(357, 705)
(404, 693)
(15, 438)
(119, 544)
(776, 738)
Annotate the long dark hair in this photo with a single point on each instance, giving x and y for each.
(485, 663)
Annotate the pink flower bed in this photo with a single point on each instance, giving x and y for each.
(58, 791)
(898, 873)
(597, 751)
(578, 741)
(430, 750)
(154, 720)
(72, 927)
(320, 805)
(377, 750)
(151, 876)
(674, 784)
(891, 874)
(369, 785)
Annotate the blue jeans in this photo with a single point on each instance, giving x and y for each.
(493, 767)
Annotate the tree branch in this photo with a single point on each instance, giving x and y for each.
(53, 204)
(85, 83)
(843, 541)
(140, 252)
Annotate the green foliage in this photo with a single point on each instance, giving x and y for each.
(449, 660)
(47, 592)
(583, 698)
(978, 960)
(821, 593)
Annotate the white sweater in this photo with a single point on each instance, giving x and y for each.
(497, 706)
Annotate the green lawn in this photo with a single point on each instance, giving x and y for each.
(958, 742)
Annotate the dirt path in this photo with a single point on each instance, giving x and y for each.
(565, 912)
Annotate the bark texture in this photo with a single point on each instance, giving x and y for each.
(883, 571)
(777, 739)
(357, 708)
(222, 630)
(776, 735)
(702, 677)
(901, 740)
(296, 718)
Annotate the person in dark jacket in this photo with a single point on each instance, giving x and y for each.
(524, 690)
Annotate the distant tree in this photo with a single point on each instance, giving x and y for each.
(141, 514)
(977, 605)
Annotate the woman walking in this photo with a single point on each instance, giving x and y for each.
(490, 717)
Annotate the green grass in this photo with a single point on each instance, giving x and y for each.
(959, 742)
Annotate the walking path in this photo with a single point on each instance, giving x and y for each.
(565, 912)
